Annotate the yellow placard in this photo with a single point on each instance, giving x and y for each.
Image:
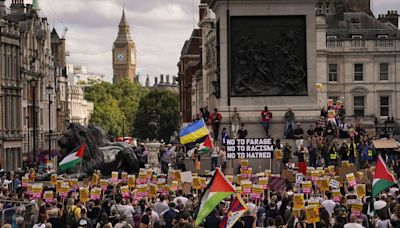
(58, 186)
(142, 188)
(84, 194)
(244, 163)
(95, 193)
(25, 181)
(351, 179)
(329, 102)
(330, 169)
(298, 201)
(114, 177)
(263, 181)
(314, 175)
(278, 154)
(246, 186)
(196, 184)
(356, 208)
(53, 179)
(306, 185)
(73, 183)
(95, 179)
(361, 190)
(360, 175)
(345, 163)
(268, 172)
(336, 195)
(48, 196)
(324, 184)
(153, 190)
(142, 175)
(64, 189)
(312, 214)
(124, 176)
(103, 184)
(230, 178)
(238, 189)
(131, 181)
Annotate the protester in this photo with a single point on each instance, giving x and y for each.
(242, 132)
(215, 119)
(289, 120)
(266, 118)
(235, 119)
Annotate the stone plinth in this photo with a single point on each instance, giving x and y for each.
(152, 158)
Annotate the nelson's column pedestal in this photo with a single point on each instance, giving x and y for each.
(267, 56)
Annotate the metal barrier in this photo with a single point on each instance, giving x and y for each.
(26, 211)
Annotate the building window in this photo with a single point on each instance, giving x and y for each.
(358, 72)
(384, 105)
(384, 71)
(332, 75)
(359, 106)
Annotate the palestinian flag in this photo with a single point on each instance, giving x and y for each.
(383, 178)
(73, 159)
(235, 211)
(218, 189)
(206, 145)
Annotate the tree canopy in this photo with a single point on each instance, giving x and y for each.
(165, 104)
(115, 106)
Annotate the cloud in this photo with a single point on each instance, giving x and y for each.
(159, 28)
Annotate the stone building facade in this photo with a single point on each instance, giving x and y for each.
(355, 57)
(79, 108)
(33, 95)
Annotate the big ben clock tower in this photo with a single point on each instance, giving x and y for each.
(124, 53)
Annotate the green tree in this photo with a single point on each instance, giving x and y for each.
(165, 104)
(115, 106)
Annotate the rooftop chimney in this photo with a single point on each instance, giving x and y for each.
(17, 7)
(393, 17)
(155, 81)
(202, 10)
(167, 80)
(2, 9)
(161, 79)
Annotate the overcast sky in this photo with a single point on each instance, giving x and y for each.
(159, 28)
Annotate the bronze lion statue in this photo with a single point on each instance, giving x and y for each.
(100, 154)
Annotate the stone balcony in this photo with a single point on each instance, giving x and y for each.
(341, 45)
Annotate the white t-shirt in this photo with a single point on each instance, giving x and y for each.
(329, 206)
(41, 225)
(353, 225)
(182, 198)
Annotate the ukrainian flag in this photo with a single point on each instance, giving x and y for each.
(193, 132)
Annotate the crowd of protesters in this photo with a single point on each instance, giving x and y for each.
(328, 142)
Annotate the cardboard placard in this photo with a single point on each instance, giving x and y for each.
(361, 190)
(246, 186)
(64, 190)
(25, 181)
(334, 183)
(196, 184)
(256, 192)
(131, 181)
(53, 179)
(186, 177)
(356, 208)
(95, 179)
(312, 214)
(314, 175)
(48, 196)
(114, 176)
(298, 201)
(73, 183)
(124, 177)
(103, 184)
(336, 195)
(299, 178)
(351, 179)
(37, 189)
(84, 194)
(95, 193)
(263, 181)
(306, 185)
(125, 192)
(324, 184)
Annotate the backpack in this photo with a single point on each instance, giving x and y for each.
(70, 219)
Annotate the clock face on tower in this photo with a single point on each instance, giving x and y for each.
(120, 57)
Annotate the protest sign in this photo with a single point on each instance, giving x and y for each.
(336, 195)
(252, 148)
(37, 189)
(314, 175)
(53, 179)
(84, 194)
(196, 184)
(114, 177)
(298, 201)
(306, 185)
(58, 186)
(256, 192)
(64, 190)
(334, 183)
(238, 189)
(244, 163)
(25, 181)
(351, 179)
(263, 181)
(174, 185)
(361, 190)
(125, 192)
(153, 190)
(229, 178)
(246, 186)
(131, 181)
(186, 177)
(312, 214)
(95, 179)
(124, 177)
(324, 184)
(95, 193)
(48, 196)
(329, 102)
(103, 184)
(73, 182)
(356, 208)
(299, 178)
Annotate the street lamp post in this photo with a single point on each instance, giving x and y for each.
(33, 83)
(49, 90)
